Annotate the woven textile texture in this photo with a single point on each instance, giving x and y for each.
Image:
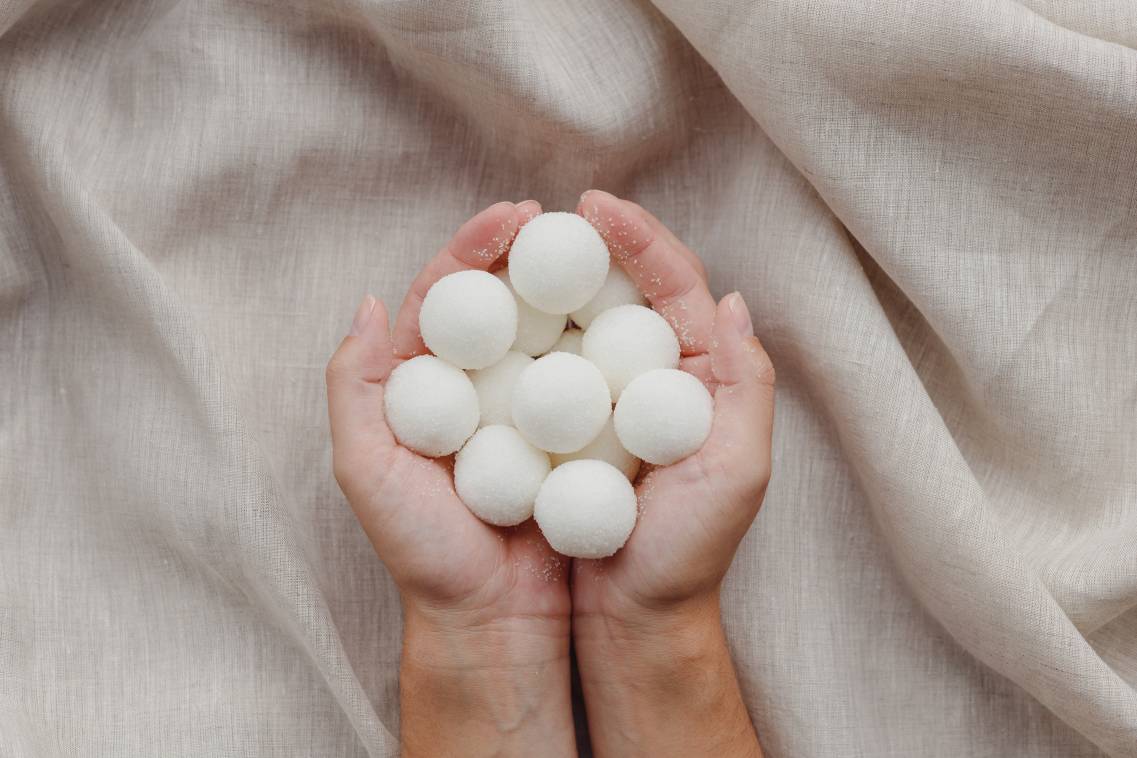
(930, 207)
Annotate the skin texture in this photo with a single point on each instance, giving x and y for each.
(490, 613)
(654, 663)
(486, 611)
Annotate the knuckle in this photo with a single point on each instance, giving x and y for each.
(764, 370)
(337, 369)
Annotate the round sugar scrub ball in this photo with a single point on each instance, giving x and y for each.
(560, 403)
(494, 385)
(558, 262)
(536, 330)
(586, 509)
(618, 289)
(569, 342)
(606, 447)
(627, 341)
(497, 475)
(664, 416)
(431, 406)
(468, 318)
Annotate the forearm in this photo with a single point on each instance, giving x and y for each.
(500, 688)
(662, 685)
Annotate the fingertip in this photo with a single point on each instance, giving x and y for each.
(529, 209)
(362, 315)
(737, 354)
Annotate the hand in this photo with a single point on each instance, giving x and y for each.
(653, 659)
(486, 610)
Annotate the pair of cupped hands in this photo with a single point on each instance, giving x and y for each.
(490, 614)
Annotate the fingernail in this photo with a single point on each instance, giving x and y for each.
(740, 315)
(362, 316)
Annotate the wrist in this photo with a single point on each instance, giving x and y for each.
(497, 683)
(660, 681)
(654, 641)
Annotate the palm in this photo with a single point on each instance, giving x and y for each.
(439, 548)
(694, 512)
(435, 548)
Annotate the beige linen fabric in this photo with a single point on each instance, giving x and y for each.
(930, 207)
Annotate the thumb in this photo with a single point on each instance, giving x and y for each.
(740, 439)
(355, 392)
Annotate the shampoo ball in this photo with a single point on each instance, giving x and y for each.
(618, 289)
(431, 406)
(494, 385)
(664, 416)
(497, 475)
(606, 447)
(569, 342)
(586, 509)
(627, 341)
(468, 318)
(536, 330)
(558, 262)
(560, 403)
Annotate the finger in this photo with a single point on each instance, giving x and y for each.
(661, 272)
(659, 228)
(699, 366)
(739, 444)
(477, 245)
(529, 210)
(354, 376)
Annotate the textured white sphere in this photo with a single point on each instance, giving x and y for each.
(618, 289)
(560, 402)
(431, 406)
(558, 262)
(536, 330)
(497, 474)
(627, 341)
(468, 318)
(586, 509)
(494, 385)
(569, 342)
(606, 447)
(664, 416)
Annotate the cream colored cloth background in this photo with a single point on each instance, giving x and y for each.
(931, 208)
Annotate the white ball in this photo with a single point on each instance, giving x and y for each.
(536, 330)
(627, 341)
(431, 406)
(606, 447)
(664, 416)
(558, 262)
(569, 342)
(618, 289)
(494, 385)
(586, 509)
(497, 475)
(468, 318)
(560, 402)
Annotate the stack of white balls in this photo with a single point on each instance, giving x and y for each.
(515, 416)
